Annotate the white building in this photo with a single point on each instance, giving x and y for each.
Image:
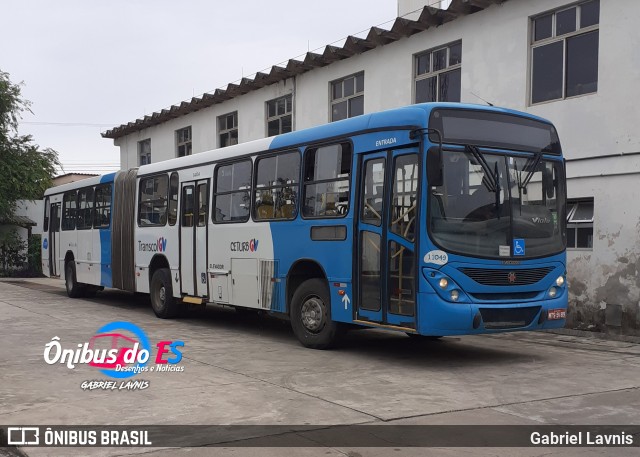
(574, 62)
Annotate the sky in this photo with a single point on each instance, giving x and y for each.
(88, 66)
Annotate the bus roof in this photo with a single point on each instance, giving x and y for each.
(412, 116)
(94, 180)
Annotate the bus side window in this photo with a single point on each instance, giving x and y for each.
(102, 207)
(173, 199)
(327, 175)
(85, 208)
(152, 207)
(232, 196)
(69, 211)
(277, 187)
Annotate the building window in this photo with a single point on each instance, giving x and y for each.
(580, 223)
(438, 74)
(279, 118)
(183, 142)
(228, 129)
(277, 181)
(347, 97)
(564, 52)
(144, 152)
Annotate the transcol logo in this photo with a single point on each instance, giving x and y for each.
(158, 246)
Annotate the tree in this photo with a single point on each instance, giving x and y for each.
(25, 169)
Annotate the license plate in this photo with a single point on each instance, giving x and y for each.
(555, 314)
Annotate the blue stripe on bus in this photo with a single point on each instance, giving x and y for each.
(105, 257)
(105, 242)
(107, 178)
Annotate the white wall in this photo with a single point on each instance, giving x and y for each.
(34, 210)
(251, 109)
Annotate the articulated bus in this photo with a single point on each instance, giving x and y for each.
(434, 219)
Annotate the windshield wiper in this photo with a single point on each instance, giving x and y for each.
(490, 180)
(532, 170)
(497, 182)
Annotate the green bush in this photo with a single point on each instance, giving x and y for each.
(34, 255)
(12, 252)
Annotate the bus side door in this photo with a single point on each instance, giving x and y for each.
(387, 221)
(54, 240)
(193, 237)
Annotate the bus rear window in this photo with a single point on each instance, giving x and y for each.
(498, 130)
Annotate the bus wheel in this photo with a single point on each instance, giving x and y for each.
(162, 300)
(311, 316)
(74, 290)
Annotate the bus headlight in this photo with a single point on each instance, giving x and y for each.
(553, 292)
(455, 295)
(443, 283)
(560, 281)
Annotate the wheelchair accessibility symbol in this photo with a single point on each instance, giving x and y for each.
(518, 246)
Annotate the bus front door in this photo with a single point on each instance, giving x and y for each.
(387, 218)
(193, 237)
(54, 239)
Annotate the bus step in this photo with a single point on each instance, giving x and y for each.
(389, 326)
(193, 300)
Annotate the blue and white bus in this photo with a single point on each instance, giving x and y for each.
(434, 219)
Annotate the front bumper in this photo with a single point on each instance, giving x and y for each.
(439, 317)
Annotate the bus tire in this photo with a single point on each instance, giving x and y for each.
(163, 302)
(311, 316)
(74, 289)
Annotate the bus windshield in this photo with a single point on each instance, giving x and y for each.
(498, 205)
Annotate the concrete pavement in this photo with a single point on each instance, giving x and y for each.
(240, 370)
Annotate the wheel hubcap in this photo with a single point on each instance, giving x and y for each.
(312, 314)
(161, 294)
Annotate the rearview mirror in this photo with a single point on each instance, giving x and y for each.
(434, 166)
